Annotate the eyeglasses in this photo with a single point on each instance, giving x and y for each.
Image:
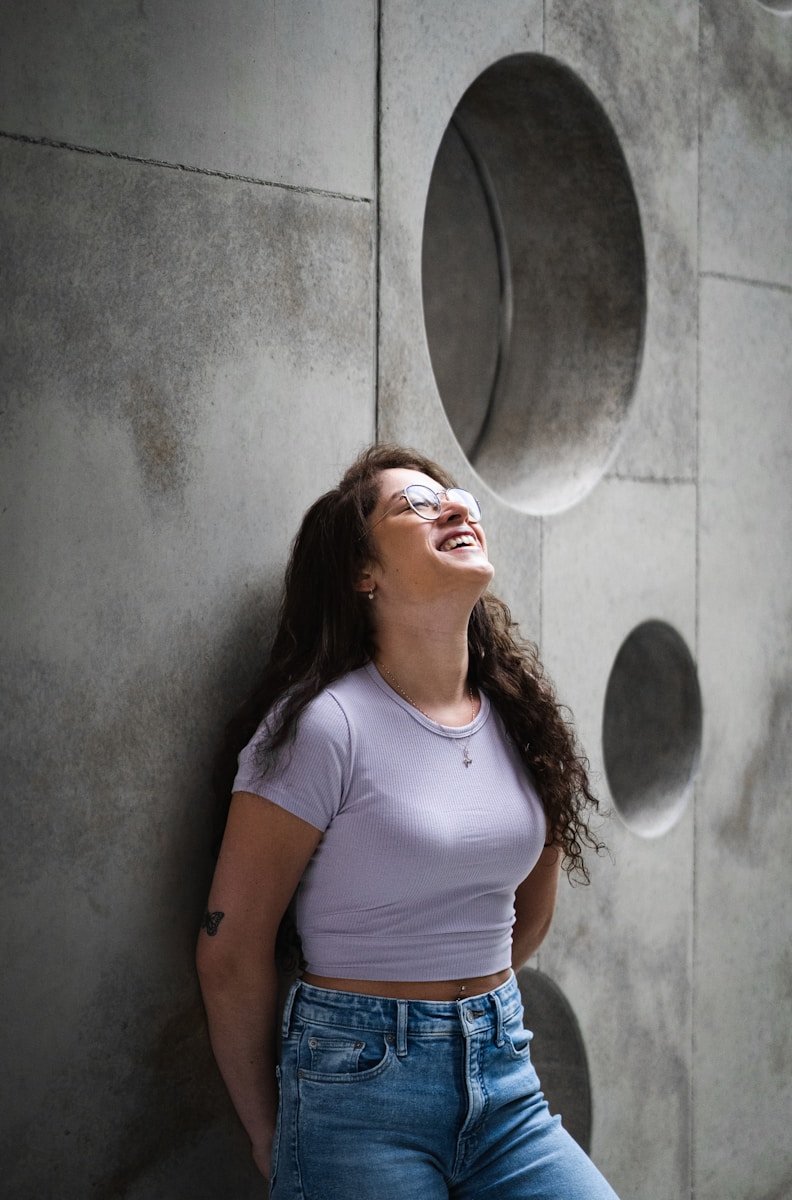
(425, 502)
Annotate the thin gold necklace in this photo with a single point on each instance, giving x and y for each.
(466, 755)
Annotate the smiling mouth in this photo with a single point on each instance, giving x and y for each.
(458, 541)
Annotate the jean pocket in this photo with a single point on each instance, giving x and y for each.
(334, 1056)
(518, 1039)
(352, 1058)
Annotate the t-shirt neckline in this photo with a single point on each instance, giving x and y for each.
(448, 731)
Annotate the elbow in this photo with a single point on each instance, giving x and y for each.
(217, 966)
(526, 942)
(544, 929)
(232, 966)
(210, 966)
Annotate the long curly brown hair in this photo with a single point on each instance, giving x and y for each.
(325, 630)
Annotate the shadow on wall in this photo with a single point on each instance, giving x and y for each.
(558, 1053)
(196, 1134)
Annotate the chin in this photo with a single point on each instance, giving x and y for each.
(484, 568)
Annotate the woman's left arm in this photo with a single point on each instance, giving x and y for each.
(534, 903)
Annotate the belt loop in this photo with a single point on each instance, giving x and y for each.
(401, 1028)
(287, 1008)
(499, 1036)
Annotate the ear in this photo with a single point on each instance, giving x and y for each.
(365, 581)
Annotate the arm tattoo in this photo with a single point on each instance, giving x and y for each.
(211, 922)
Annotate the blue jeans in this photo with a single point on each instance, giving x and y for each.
(417, 1100)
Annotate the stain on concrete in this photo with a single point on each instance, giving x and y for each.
(158, 430)
(781, 1191)
(641, 63)
(656, 1046)
(132, 287)
(785, 972)
(593, 31)
(108, 844)
(138, 1083)
(612, 43)
(102, 745)
(747, 61)
(177, 1080)
(765, 783)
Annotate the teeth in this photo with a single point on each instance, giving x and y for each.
(464, 539)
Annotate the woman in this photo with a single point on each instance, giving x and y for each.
(413, 782)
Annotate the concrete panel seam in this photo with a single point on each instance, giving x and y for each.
(692, 1125)
(697, 426)
(541, 580)
(377, 222)
(758, 283)
(54, 144)
(665, 480)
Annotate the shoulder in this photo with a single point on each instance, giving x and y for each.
(309, 772)
(327, 724)
(321, 722)
(323, 716)
(353, 693)
(340, 705)
(330, 714)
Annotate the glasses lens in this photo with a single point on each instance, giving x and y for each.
(460, 496)
(423, 501)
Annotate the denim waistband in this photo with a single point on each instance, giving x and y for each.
(430, 1018)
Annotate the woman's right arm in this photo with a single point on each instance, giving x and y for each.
(264, 853)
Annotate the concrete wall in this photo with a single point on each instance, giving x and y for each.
(743, 904)
(676, 960)
(211, 236)
(188, 360)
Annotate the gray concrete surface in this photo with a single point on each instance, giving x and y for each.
(188, 359)
(200, 84)
(177, 347)
(640, 60)
(743, 910)
(746, 164)
(621, 948)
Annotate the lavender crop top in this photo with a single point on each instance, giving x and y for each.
(414, 878)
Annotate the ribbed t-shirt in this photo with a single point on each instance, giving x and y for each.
(414, 877)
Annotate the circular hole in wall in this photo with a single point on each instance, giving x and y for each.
(558, 1052)
(534, 282)
(651, 728)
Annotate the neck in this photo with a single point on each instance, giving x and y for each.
(430, 665)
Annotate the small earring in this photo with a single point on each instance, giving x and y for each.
(371, 594)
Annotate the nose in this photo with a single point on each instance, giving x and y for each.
(452, 507)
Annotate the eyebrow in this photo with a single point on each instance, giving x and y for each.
(395, 495)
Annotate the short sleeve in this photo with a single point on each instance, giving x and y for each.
(310, 774)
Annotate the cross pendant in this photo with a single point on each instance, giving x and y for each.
(466, 759)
